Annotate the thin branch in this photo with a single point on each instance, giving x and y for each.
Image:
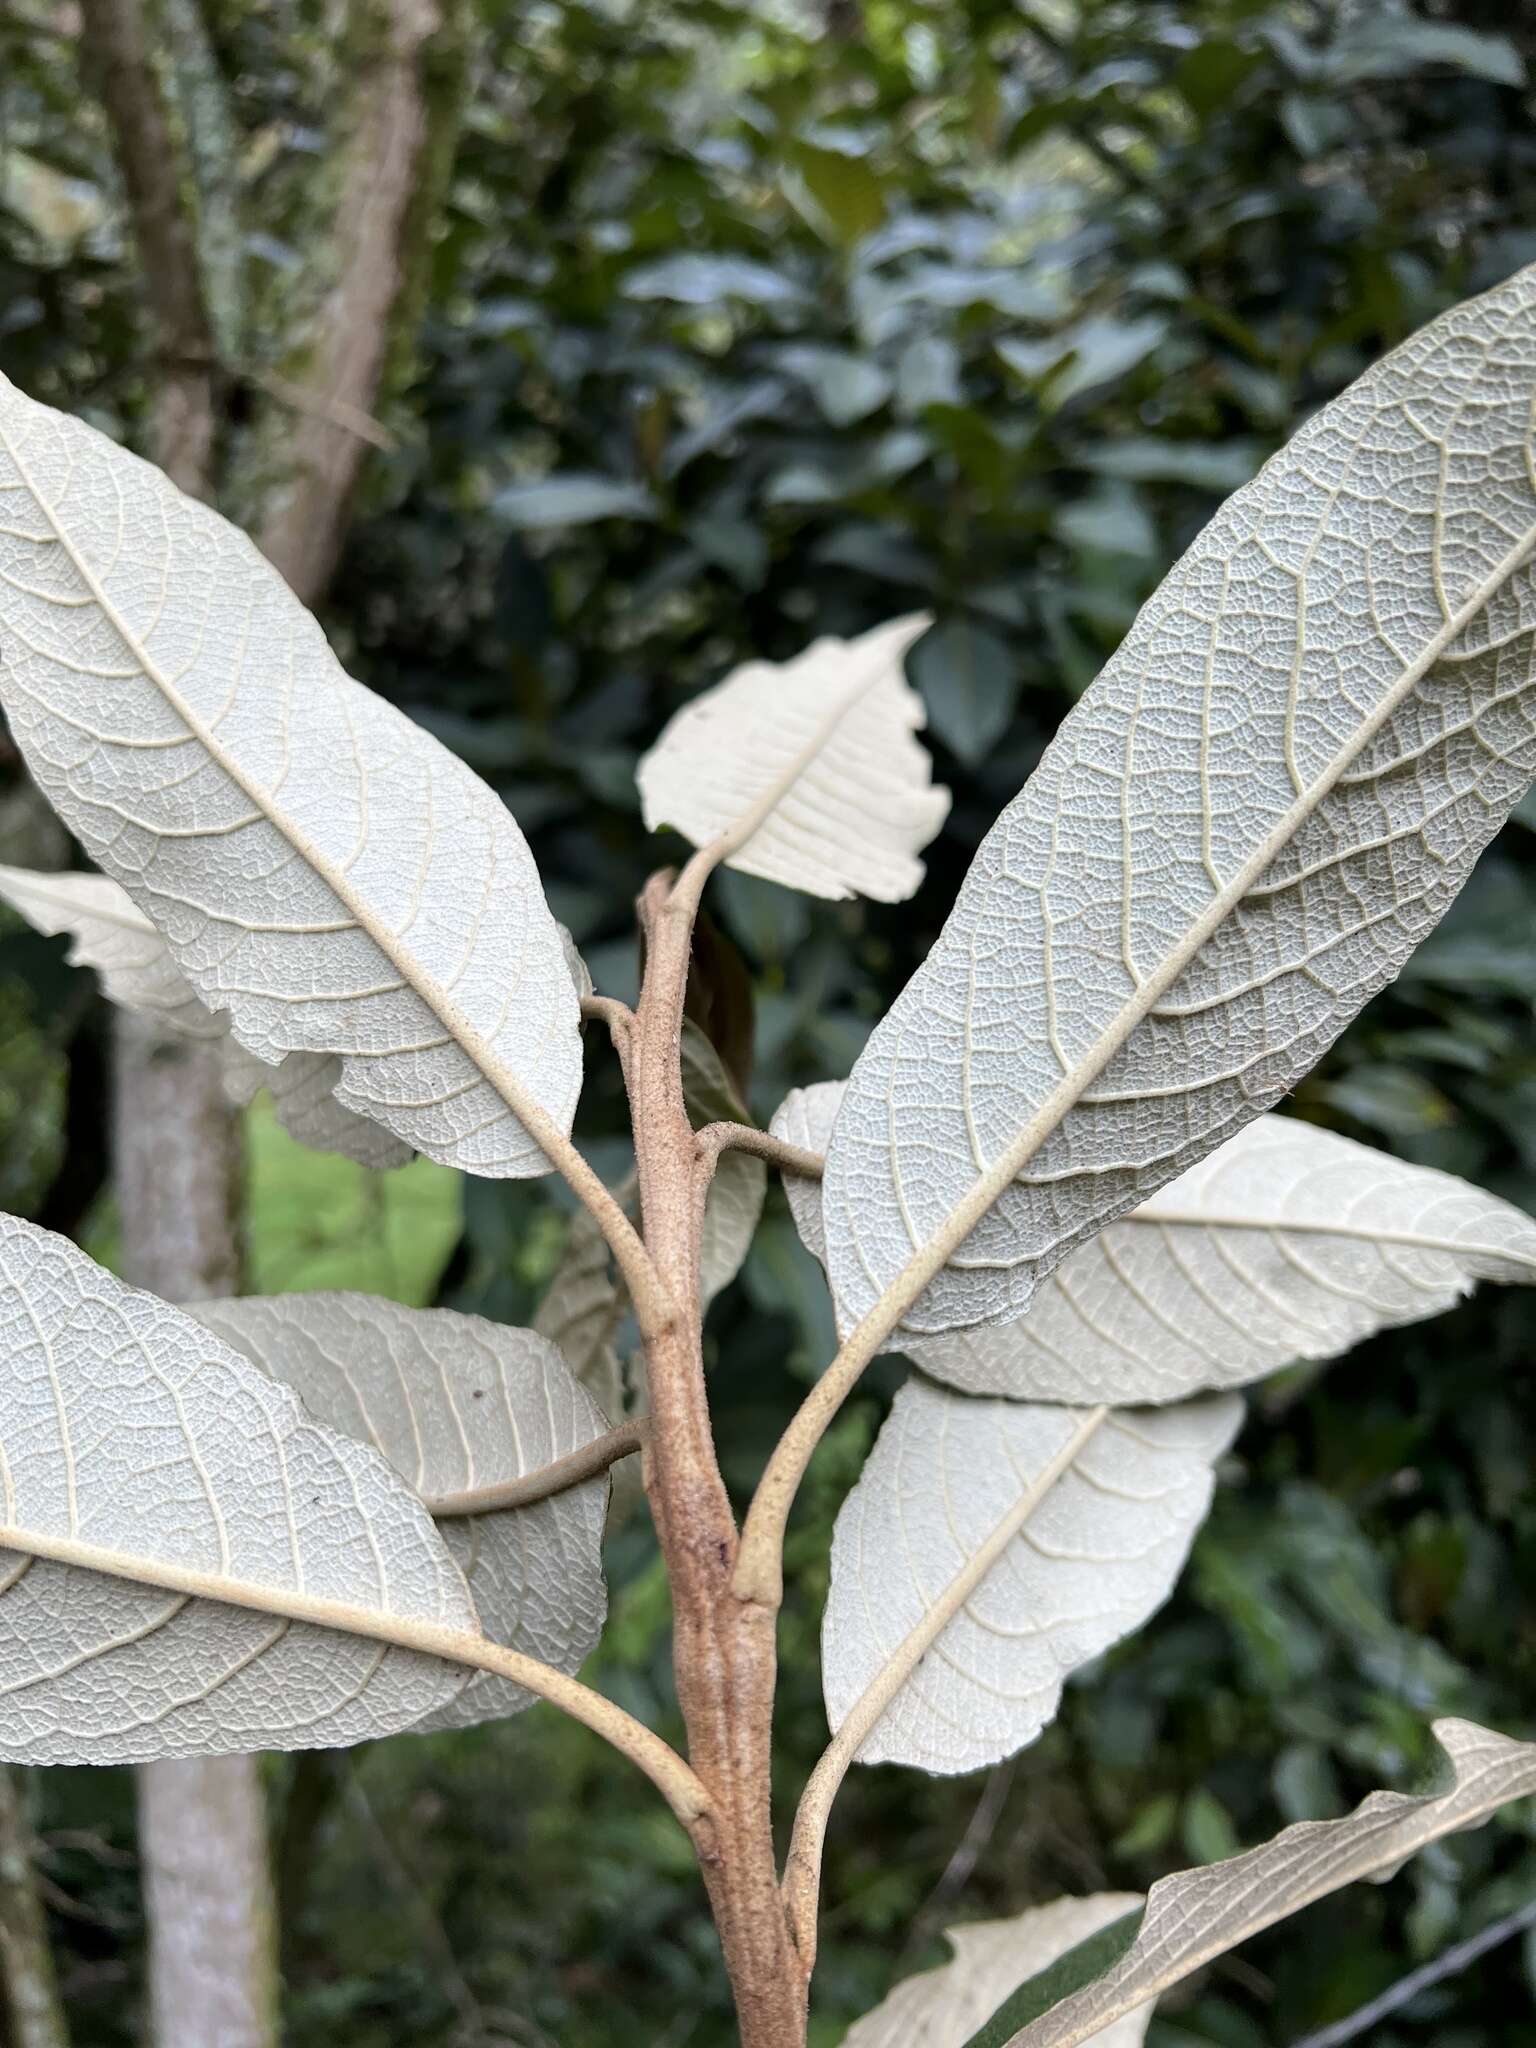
(714, 1139)
(802, 1875)
(33, 2010)
(320, 406)
(585, 1462)
(619, 1019)
(115, 42)
(759, 1577)
(1408, 1988)
(655, 1310)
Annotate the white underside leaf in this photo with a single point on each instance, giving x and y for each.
(992, 1958)
(1286, 1242)
(189, 1564)
(1198, 1915)
(112, 935)
(818, 757)
(321, 868)
(1238, 835)
(108, 932)
(455, 1403)
(1088, 1516)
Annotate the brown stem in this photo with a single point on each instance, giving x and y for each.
(583, 1463)
(387, 169)
(727, 1137)
(723, 1648)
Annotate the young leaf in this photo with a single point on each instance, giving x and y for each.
(188, 1563)
(992, 1958)
(1239, 834)
(809, 768)
(1042, 1534)
(455, 1404)
(321, 868)
(1198, 1915)
(113, 935)
(1286, 1242)
(108, 932)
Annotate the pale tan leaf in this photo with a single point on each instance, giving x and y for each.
(455, 1404)
(1044, 1533)
(734, 1205)
(112, 935)
(321, 868)
(992, 1958)
(810, 766)
(1286, 1242)
(1238, 835)
(585, 1304)
(109, 933)
(189, 1564)
(1198, 1915)
(732, 1212)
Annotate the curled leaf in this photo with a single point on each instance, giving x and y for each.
(809, 766)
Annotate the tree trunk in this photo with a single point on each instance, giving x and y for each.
(202, 1821)
(34, 2016)
(203, 1832)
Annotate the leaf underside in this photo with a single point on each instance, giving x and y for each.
(1086, 1565)
(1286, 1242)
(321, 868)
(1239, 834)
(1195, 1916)
(992, 1958)
(134, 1446)
(455, 1403)
(821, 750)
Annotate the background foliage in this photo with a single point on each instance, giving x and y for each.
(748, 323)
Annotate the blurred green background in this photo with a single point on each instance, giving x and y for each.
(747, 323)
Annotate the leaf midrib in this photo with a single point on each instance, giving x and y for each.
(1459, 1807)
(407, 1632)
(988, 1188)
(528, 1112)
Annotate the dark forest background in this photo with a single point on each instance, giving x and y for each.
(745, 324)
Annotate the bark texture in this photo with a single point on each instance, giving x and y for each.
(202, 1821)
(117, 58)
(385, 186)
(723, 1648)
(33, 2013)
(208, 1894)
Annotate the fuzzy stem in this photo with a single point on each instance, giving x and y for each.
(586, 1462)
